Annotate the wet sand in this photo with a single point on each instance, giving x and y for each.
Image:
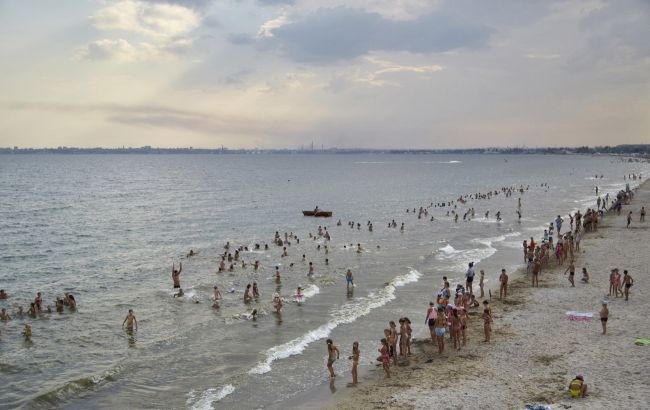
(536, 351)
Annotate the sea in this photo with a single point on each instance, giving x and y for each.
(108, 228)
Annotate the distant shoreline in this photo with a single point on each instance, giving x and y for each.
(638, 150)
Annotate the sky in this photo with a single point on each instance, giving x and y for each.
(338, 73)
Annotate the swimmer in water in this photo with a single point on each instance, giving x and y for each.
(130, 320)
(256, 292)
(299, 295)
(216, 295)
(311, 269)
(180, 293)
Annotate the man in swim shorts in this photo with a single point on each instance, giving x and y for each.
(349, 279)
(469, 277)
(176, 275)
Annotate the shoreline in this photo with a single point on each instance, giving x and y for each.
(535, 350)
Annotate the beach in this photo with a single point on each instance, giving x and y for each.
(113, 227)
(535, 350)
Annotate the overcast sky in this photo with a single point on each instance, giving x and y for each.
(342, 73)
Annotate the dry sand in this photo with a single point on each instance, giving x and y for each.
(535, 350)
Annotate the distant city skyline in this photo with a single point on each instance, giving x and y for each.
(369, 74)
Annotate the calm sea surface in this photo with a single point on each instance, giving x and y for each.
(107, 228)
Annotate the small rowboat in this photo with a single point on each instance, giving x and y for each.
(325, 214)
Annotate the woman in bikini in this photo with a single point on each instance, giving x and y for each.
(440, 328)
(487, 321)
(332, 356)
(455, 328)
(464, 319)
(384, 357)
(355, 362)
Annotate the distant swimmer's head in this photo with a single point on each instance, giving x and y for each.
(329, 341)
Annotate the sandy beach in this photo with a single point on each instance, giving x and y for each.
(536, 351)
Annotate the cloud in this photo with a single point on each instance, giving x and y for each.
(121, 50)
(266, 29)
(156, 116)
(149, 19)
(240, 38)
(275, 2)
(542, 56)
(331, 35)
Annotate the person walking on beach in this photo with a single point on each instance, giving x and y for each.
(176, 275)
(604, 314)
(642, 214)
(332, 356)
(481, 281)
(572, 271)
(629, 219)
(469, 277)
(503, 289)
(627, 283)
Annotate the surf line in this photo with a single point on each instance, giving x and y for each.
(347, 313)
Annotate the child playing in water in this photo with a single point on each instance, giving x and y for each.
(27, 331)
(332, 356)
(355, 362)
(299, 295)
(585, 275)
(277, 302)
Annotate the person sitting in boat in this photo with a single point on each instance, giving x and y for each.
(316, 209)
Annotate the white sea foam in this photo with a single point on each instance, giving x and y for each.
(310, 291)
(448, 249)
(450, 162)
(347, 313)
(209, 396)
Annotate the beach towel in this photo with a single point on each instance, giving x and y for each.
(538, 407)
(579, 316)
(642, 342)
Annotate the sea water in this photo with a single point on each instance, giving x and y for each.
(108, 228)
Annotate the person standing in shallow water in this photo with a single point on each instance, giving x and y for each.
(176, 275)
(332, 356)
(130, 320)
